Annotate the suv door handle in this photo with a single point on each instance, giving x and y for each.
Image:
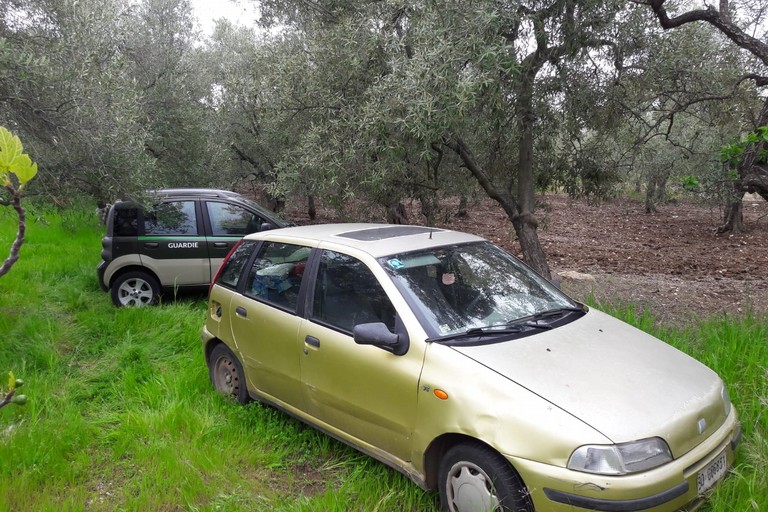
(151, 245)
(220, 245)
(312, 341)
(240, 311)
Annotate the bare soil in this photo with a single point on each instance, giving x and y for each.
(672, 263)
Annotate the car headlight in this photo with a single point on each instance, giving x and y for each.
(726, 400)
(621, 459)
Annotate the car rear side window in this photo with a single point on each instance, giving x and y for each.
(347, 293)
(232, 269)
(126, 222)
(172, 218)
(232, 220)
(276, 273)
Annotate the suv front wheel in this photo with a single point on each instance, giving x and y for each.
(134, 289)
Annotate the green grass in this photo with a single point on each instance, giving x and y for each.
(121, 415)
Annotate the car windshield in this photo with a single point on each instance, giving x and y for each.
(472, 287)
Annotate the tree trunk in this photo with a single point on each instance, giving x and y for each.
(311, 209)
(525, 223)
(650, 194)
(463, 211)
(396, 214)
(733, 217)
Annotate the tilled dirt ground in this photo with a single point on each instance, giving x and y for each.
(672, 263)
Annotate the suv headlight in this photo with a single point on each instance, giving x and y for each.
(621, 459)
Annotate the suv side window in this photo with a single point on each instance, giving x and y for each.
(276, 273)
(232, 220)
(126, 222)
(347, 293)
(233, 267)
(172, 218)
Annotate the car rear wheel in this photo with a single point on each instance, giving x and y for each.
(135, 289)
(475, 478)
(227, 374)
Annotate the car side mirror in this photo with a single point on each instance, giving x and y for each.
(265, 226)
(378, 335)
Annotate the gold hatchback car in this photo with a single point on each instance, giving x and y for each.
(446, 358)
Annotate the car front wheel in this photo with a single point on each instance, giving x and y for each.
(227, 374)
(475, 478)
(135, 289)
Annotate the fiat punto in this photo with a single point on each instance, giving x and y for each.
(446, 358)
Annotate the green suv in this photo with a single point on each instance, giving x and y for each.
(179, 242)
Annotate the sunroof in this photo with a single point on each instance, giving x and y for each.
(373, 234)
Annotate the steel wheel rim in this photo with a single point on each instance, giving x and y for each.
(470, 489)
(135, 292)
(225, 376)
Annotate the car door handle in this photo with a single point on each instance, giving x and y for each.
(151, 245)
(220, 245)
(240, 311)
(312, 341)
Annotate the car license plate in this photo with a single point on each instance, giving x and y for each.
(711, 473)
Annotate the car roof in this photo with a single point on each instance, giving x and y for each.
(375, 239)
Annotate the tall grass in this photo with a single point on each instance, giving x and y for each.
(121, 415)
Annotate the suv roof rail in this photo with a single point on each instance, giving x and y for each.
(210, 192)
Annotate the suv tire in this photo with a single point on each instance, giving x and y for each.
(135, 289)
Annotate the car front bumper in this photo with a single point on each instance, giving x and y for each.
(667, 488)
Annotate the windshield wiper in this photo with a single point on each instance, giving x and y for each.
(481, 332)
(533, 320)
(516, 326)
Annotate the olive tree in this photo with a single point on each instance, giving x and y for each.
(743, 24)
(405, 84)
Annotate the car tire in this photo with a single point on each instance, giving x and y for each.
(473, 477)
(135, 289)
(226, 374)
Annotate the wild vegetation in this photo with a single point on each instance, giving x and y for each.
(356, 103)
(121, 415)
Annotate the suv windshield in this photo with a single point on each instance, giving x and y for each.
(470, 287)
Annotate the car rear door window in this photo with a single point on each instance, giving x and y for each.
(347, 293)
(276, 273)
(234, 265)
(172, 218)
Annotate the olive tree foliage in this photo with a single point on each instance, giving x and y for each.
(105, 93)
(743, 23)
(400, 91)
(65, 89)
(164, 62)
(673, 112)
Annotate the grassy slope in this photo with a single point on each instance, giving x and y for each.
(121, 415)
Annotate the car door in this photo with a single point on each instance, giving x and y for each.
(173, 245)
(264, 322)
(227, 223)
(364, 391)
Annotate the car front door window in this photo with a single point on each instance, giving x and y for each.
(347, 293)
(232, 220)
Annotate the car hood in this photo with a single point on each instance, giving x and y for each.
(621, 381)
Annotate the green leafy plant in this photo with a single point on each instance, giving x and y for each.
(10, 396)
(732, 154)
(16, 170)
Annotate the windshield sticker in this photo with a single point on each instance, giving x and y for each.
(395, 264)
